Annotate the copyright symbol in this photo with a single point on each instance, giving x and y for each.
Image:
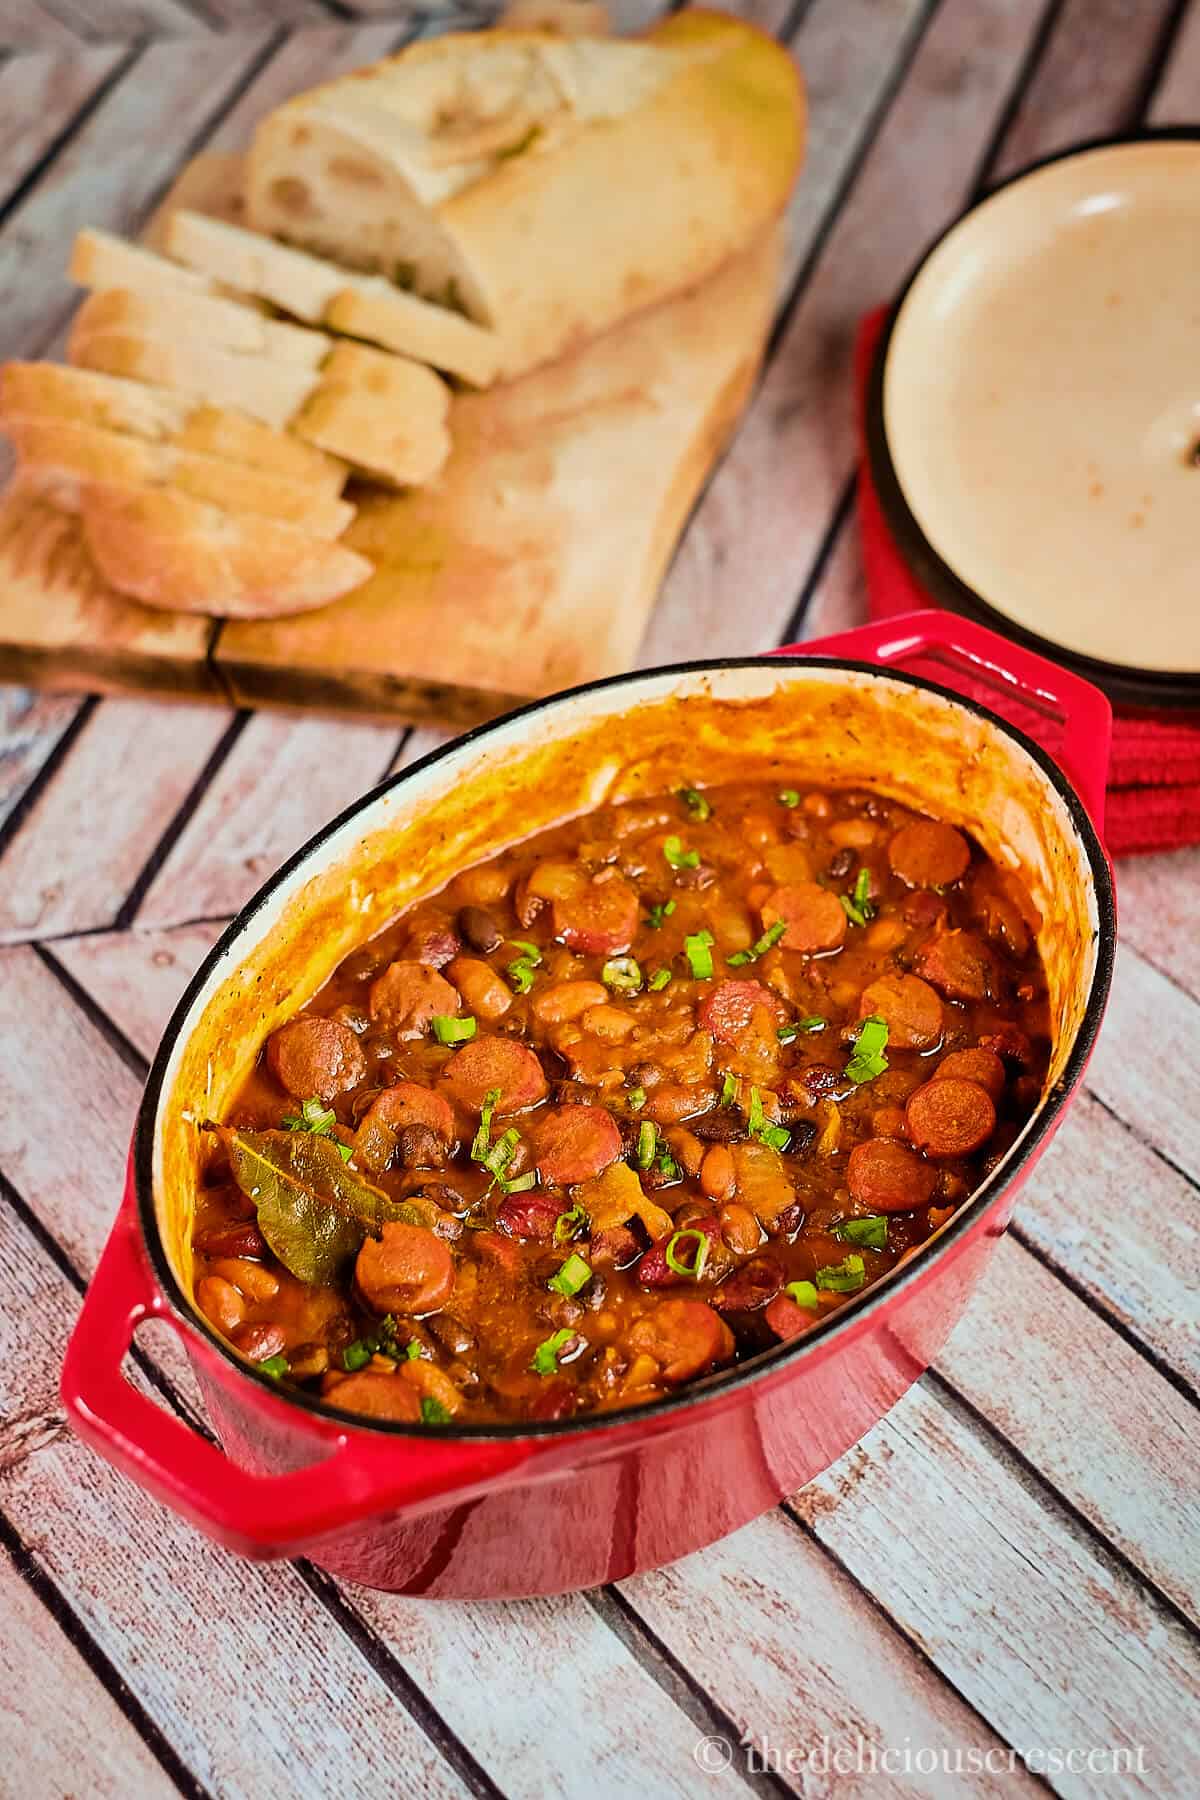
(712, 1754)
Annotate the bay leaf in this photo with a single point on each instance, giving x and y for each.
(313, 1210)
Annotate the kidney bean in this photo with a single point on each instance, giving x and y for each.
(740, 1229)
(1009, 1043)
(436, 946)
(722, 1126)
(479, 929)
(408, 995)
(884, 1176)
(927, 854)
(259, 1341)
(232, 1239)
(556, 1400)
(814, 918)
(530, 1217)
(407, 1269)
(316, 1057)
(614, 1248)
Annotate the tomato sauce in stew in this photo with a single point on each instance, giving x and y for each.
(642, 1096)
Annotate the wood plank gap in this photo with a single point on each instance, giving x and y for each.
(842, 512)
(45, 775)
(1147, 1143)
(680, 1685)
(74, 125)
(166, 843)
(95, 1015)
(391, 1671)
(1054, 1500)
(1026, 71)
(34, 1576)
(793, 19)
(1156, 68)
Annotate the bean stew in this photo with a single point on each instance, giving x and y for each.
(643, 1095)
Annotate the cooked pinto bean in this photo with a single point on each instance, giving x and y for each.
(488, 1063)
(406, 1269)
(717, 1177)
(482, 990)
(408, 995)
(928, 855)
(959, 965)
(815, 919)
(983, 1066)
(727, 1011)
(220, 1303)
(684, 1337)
(950, 1117)
(909, 1007)
(408, 1103)
(600, 917)
(258, 1342)
(574, 1143)
(316, 1057)
(479, 929)
(884, 1176)
(378, 1395)
(568, 1000)
(250, 1279)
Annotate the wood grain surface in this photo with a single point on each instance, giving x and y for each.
(1005, 1567)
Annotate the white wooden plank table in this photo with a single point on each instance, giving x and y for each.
(999, 1590)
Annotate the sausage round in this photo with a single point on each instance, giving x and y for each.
(950, 1117)
(600, 918)
(408, 1103)
(980, 1065)
(884, 1176)
(379, 1395)
(959, 965)
(786, 1319)
(908, 1006)
(814, 917)
(751, 1287)
(488, 1063)
(408, 995)
(727, 1010)
(928, 855)
(316, 1058)
(685, 1337)
(406, 1269)
(574, 1143)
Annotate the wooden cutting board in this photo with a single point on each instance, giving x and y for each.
(532, 563)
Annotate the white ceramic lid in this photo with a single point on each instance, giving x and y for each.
(1041, 403)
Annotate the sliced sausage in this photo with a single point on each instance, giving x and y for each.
(909, 1007)
(600, 917)
(685, 1337)
(574, 1143)
(408, 995)
(883, 1176)
(406, 1269)
(655, 1271)
(479, 929)
(814, 917)
(751, 1287)
(928, 855)
(488, 1063)
(408, 1103)
(787, 1320)
(950, 1117)
(726, 1012)
(959, 965)
(379, 1395)
(983, 1066)
(316, 1058)
(1009, 1043)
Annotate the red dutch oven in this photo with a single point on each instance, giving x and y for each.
(493, 1511)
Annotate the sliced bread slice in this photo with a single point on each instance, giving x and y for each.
(321, 292)
(205, 317)
(100, 260)
(160, 415)
(169, 550)
(60, 459)
(375, 433)
(271, 391)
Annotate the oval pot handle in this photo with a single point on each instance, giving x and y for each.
(353, 1474)
(998, 663)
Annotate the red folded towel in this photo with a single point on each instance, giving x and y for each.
(1154, 775)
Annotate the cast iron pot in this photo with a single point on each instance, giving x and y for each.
(532, 1509)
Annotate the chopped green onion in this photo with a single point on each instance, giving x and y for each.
(312, 1117)
(845, 1277)
(766, 942)
(521, 976)
(867, 1059)
(497, 1159)
(678, 857)
(661, 909)
(275, 1366)
(667, 1166)
(698, 950)
(646, 1142)
(804, 1293)
(695, 1268)
(520, 1184)
(623, 974)
(529, 952)
(412, 1350)
(449, 1030)
(697, 806)
(483, 1136)
(858, 908)
(755, 1119)
(789, 798)
(776, 1137)
(573, 1275)
(545, 1357)
(356, 1355)
(636, 1099)
(730, 1088)
(787, 1034)
(433, 1412)
(659, 980)
(570, 1225)
(872, 1232)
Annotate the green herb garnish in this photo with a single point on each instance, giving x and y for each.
(318, 1121)
(787, 1034)
(867, 1059)
(678, 857)
(647, 1140)
(573, 1275)
(636, 1099)
(356, 1355)
(698, 950)
(845, 1277)
(660, 979)
(857, 907)
(520, 971)
(758, 1125)
(667, 1166)
(766, 942)
(412, 1350)
(275, 1366)
(501, 1153)
(872, 1232)
(433, 1412)
(482, 1138)
(520, 1184)
(789, 798)
(570, 1225)
(804, 1293)
(623, 974)
(661, 909)
(449, 1030)
(730, 1088)
(680, 1264)
(545, 1357)
(697, 806)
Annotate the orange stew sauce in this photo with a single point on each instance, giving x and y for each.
(644, 1095)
